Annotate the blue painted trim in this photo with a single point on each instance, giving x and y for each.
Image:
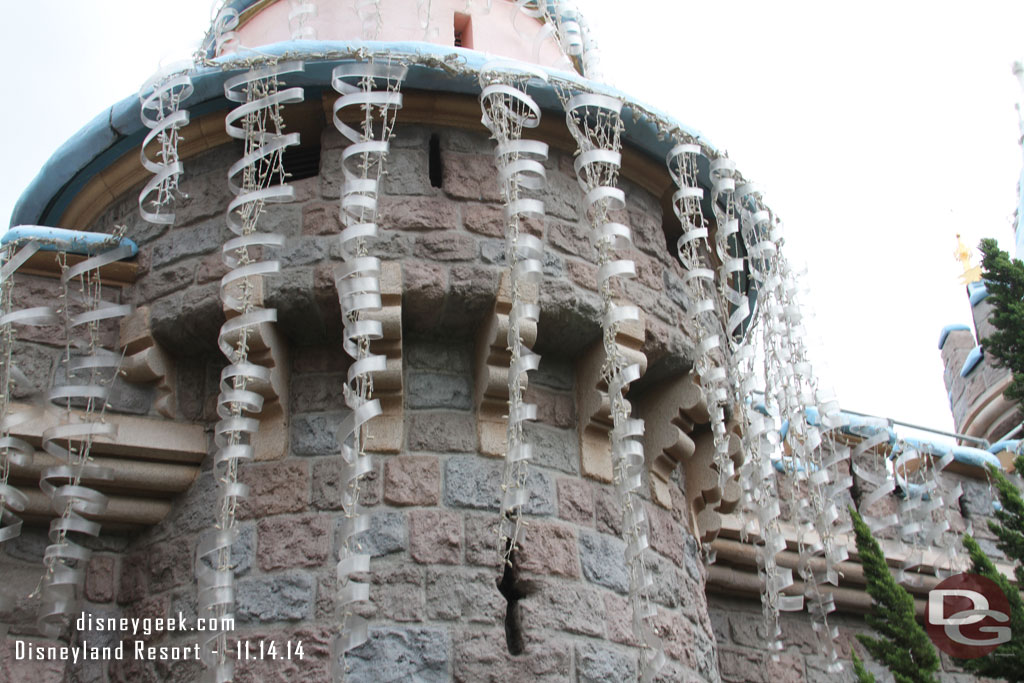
(956, 327)
(967, 455)
(977, 292)
(119, 130)
(972, 360)
(71, 241)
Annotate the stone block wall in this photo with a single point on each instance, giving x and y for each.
(435, 609)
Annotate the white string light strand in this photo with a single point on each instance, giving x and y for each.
(258, 178)
(594, 122)
(507, 111)
(161, 112)
(13, 451)
(71, 441)
(369, 93)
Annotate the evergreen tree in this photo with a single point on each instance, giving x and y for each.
(1004, 280)
(862, 674)
(904, 648)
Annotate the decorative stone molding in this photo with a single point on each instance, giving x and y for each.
(592, 404)
(492, 368)
(269, 349)
(385, 433)
(151, 460)
(146, 361)
(707, 499)
(670, 410)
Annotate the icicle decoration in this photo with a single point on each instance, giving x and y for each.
(761, 431)
(71, 442)
(300, 15)
(796, 394)
(370, 92)
(258, 178)
(880, 476)
(161, 112)
(594, 121)
(700, 288)
(507, 110)
(13, 451)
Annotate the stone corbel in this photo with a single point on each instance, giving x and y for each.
(670, 411)
(266, 348)
(385, 433)
(594, 409)
(492, 367)
(708, 501)
(146, 361)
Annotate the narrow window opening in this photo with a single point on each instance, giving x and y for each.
(435, 169)
(511, 589)
(463, 29)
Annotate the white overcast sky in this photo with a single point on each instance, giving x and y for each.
(878, 130)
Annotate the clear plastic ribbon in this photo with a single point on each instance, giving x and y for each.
(593, 120)
(88, 379)
(506, 111)
(370, 92)
(255, 180)
(13, 451)
(161, 112)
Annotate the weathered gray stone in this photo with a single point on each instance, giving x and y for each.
(566, 607)
(599, 663)
(287, 596)
(316, 434)
(441, 432)
(473, 482)
(430, 390)
(395, 654)
(493, 251)
(36, 364)
(328, 484)
(408, 172)
(603, 560)
(387, 534)
(301, 251)
(185, 242)
(555, 372)
(469, 595)
(555, 448)
(424, 354)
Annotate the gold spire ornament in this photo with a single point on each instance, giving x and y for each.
(963, 254)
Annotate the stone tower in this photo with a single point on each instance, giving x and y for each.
(328, 342)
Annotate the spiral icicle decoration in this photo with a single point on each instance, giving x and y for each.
(507, 110)
(700, 288)
(300, 15)
(71, 441)
(161, 112)
(794, 391)
(594, 121)
(370, 91)
(761, 432)
(13, 451)
(256, 180)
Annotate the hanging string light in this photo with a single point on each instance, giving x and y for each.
(370, 91)
(161, 112)
(88, 379)
(594, 122)
(258, 178)
(13, 451)
(507, 111)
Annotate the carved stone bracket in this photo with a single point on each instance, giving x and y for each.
(146, 361)
(594, 409)
(492, 367)
(676, 433)
(267, 348)
(384, 433)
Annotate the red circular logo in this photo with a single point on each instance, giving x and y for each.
(967, 616)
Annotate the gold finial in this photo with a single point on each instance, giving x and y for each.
(963, 254)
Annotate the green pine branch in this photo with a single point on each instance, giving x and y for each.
(1004, 280)
(904, 647)
(862, 674)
